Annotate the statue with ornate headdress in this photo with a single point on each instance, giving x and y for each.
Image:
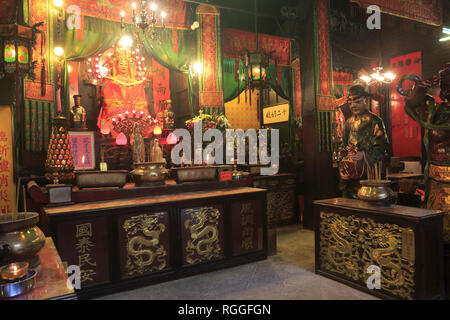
(364, 142)
(122, 92)
(434, 117)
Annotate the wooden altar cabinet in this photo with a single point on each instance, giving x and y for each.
(120, 244)
(405, 243)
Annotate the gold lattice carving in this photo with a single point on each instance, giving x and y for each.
(144, 252)
(350, 244)
(280, 206)
(203, 226)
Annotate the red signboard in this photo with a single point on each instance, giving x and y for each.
(225, 176)
(406, 137)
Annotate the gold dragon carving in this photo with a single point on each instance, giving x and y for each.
(280, 206)
(204, 242)
(144, 252)
(350, 244)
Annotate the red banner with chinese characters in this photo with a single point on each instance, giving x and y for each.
(235, 42)
(39, 13)
(325, 99)
(297, 86)
(406, 133)
(210, 84)
(161, 86)
(110, 10)
(426, 11)
(7, 186)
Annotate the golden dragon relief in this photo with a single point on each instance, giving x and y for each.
(349, 245)
(144, 252)
(204, 243)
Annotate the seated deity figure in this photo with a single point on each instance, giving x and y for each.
(121, 91)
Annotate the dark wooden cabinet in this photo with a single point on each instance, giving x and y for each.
(355, 243)
(281, 198)
(125, 243)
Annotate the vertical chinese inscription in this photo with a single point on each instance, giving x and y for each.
(7, 187)
(247, 225)
(83, 248)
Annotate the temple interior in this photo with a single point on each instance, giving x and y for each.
(224, 150)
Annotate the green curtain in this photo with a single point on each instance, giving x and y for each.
(230, 86)
(284, 89)
(99, 35)
(38, 119)
(161, 48)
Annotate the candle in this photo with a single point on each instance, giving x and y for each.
(14, 271)
(82, 160)
(103, 166)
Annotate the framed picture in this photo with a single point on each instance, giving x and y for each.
(83, 149)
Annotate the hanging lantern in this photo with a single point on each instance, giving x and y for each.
(16, 43)
(257, 65)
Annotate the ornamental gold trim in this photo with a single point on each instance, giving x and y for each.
(144, 252)
(203, 228)
(440, 173)
(350, 244)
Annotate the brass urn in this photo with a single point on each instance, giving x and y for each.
(20, 238)
(377, 192)
(149, 173)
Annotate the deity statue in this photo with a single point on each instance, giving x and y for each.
(364, 142)
(156, 154)
(121, 91)
(78, 113)
(169, 121)
(434, 117)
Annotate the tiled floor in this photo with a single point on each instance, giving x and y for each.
(289, 275)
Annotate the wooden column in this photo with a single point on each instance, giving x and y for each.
(320, 177)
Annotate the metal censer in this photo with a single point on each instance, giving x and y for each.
(377, 192)
(20, 238)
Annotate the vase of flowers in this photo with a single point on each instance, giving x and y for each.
(209, 121)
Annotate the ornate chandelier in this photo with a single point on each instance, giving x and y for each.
(146, 15)
(378, 76)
